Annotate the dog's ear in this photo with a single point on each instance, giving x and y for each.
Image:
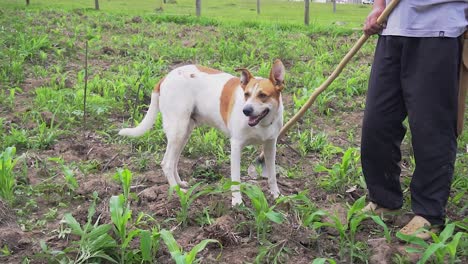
(277, 74)
(245, 77)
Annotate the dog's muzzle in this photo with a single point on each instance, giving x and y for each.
(254, 120)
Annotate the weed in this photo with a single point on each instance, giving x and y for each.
(343, 174)
(68, 174)
(273, 252)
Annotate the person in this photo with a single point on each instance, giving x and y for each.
(415, 74)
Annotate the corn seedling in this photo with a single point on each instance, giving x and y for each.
(149, 244)
(177, 253)
(347, 231)
(125, 179)
(121, 215)
(261, 211)
(186, 198)
(95, 242)
(7, 176)
(446, 243)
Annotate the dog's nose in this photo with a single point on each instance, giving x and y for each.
(248, 110)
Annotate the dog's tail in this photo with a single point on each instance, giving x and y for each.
(147, 122)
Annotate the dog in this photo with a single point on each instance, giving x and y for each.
(248, 109)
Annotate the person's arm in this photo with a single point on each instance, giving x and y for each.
(371, 26)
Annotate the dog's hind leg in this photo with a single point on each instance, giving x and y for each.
(181, 183)
(177, 131)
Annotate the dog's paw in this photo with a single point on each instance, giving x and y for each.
(275, 193)
(183, 184)
(236, 199)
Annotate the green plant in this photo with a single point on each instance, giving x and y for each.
(68, 174)
(340, 175)
(95, 242)
(9, 100)
(186, 198)
(177, 254)
(7, 176)
(272, 252)
(347, 231)
(262, 212)
(304, 209)
(307, 142)
(323, 261)
(446, 243)
(120, 216)
(5, 251)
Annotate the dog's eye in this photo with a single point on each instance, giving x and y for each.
(262, 96)
(247, 95)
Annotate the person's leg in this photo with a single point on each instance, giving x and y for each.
(430, 69)
(382, 129)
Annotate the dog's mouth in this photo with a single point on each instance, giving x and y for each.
(254, 120)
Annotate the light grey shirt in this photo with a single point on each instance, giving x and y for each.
(428, 18)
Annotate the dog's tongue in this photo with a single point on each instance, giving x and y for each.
(253, 120)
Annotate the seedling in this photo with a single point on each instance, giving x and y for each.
(444, 244)
(186, 198)
(262, 212)
(95, 242)
(7, 176)
(178, 255)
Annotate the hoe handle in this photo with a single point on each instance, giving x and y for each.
(382, 18)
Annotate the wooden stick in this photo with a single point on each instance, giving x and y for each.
(85, 85)
(382, 18)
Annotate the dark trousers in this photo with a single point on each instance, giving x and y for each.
(415, 78)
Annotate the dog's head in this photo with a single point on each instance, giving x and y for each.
(262, 96)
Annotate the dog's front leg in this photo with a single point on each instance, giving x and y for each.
(235, 172)
(269, 148)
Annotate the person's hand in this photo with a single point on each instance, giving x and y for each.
(371, 26)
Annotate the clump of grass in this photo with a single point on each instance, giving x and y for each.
(342, 174)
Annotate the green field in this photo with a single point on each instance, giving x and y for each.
(272, 11)
(73, 191)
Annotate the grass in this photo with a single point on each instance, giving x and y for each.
(131, 47)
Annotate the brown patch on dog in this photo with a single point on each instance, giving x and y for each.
(269, 89)
(227, 98)
(157, 88)
(266, 90)
(208, 70)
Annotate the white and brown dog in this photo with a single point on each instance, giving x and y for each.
(248, 110)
